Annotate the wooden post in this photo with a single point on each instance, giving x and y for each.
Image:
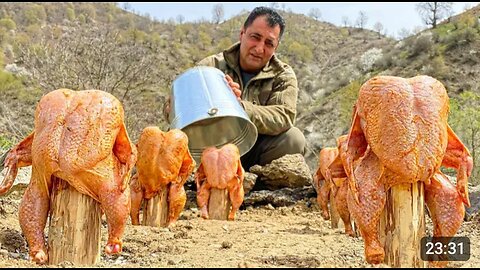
(74, 232)
(402, 225)
(219, 204)
(337, 222)
(155, 213)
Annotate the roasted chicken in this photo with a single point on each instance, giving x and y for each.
(321, 182)
(220, 169)
(81, 138)
(164, 162)
(331, 178)
(400, 135)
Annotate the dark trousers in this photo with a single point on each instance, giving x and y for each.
(268, 148)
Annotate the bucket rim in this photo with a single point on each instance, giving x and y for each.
(199, 68)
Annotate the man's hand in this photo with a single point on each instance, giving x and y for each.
(234, 86)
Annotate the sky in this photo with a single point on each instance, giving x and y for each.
(392, 15)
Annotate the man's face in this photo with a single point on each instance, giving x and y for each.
(258, 43)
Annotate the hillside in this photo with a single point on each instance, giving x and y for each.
(75, 45)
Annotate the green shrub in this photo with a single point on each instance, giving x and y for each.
(9, 83)
(436, 68)
(444, 30)
(385, 62)
(462, 37)
(347, 98)
(70, 14)
(224, 43)
(423, 44)
(466, 21)
(81, 18)
(299, 52)
(34, 14)
(8, 23)
(464, 119)
(5, 143)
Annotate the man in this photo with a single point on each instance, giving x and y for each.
(266, 87)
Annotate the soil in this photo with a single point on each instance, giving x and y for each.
(261, 236)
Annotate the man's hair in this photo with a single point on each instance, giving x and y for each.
(273, 18)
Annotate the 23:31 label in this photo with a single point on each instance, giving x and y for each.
(445, 248)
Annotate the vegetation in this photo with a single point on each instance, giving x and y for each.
(93, 58)
(432, 12)
(347, 97)
(465, 121)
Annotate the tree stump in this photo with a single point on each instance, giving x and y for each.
(402, 225)
(219, 204)
(74, 232)
(155, 211)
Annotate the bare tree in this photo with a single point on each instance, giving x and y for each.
(315, 13)
(432, 12)
(362, 19)
(127, 6)
(345, 21)
(274, 5)
(218, 13)
(92, 58)
(11, 124)
(378, 26)
(180, 18)
(404, 33)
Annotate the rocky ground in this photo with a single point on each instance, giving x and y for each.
(286, 230)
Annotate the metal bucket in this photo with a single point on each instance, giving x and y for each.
(205, 108)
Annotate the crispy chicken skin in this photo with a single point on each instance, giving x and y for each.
(164, 162)
(321, 183)
(221, 169)
(80, 137)
(331, 178)
(400, 134)
(338, 175)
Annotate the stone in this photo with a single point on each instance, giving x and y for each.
(289, 171)
(249, 182)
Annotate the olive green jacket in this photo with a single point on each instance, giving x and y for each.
(269, 98)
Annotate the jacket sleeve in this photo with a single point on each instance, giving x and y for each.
(278, 115)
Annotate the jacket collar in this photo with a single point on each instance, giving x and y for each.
(232, 54)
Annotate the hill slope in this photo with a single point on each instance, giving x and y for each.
(70, 44)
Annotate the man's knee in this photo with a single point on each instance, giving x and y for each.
(293, 141)
(288, 143)
(273, 147)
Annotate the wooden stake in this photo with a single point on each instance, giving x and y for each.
(155, 213)
(74, 232)
(219, 204)
(402, 225)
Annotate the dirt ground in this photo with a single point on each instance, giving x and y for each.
(264, 236)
